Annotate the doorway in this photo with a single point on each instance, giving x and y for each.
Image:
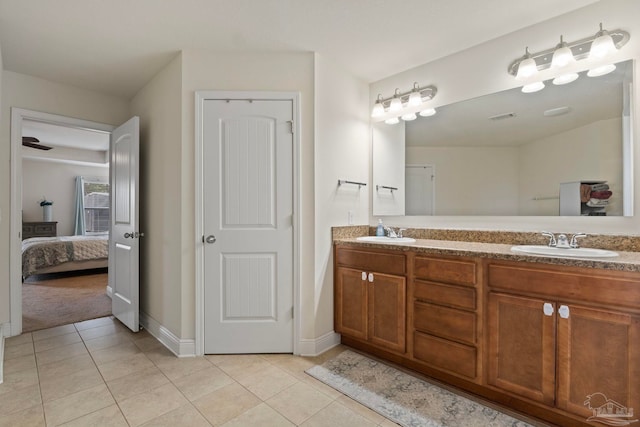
(247, 265)
(31, 121)
(420, 195)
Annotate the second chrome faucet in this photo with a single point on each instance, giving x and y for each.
(562, 241)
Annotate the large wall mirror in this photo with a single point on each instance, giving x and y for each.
(512, 153)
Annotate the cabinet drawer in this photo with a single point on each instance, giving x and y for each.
(454, 296)
(371, 261)
(446, 355)
(597, 286)
(445, 322)
(43, 228)
(445, 270)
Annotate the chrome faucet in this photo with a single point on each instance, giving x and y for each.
(400, 231)
(574, 240)
(552, 238)
(391, 232)
(562, 242)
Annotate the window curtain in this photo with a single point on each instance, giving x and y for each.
(80, 228)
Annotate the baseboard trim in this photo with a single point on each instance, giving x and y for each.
(4, 330)
(109, 291)
(318, 345)
(179, 347)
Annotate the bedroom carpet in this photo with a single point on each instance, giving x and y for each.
(403, 398)
(58, 299)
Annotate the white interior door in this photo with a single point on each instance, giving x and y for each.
(125, 231)
(420, 197)
(248, 226)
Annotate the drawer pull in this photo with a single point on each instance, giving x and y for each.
(547, 308)
(371, 277)
(564, 311)
(364, 275)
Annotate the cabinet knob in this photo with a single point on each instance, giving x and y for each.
(371, 277)
(364, 275)
(564, 311)
(547, 309)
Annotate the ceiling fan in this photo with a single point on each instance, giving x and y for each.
(30, 141)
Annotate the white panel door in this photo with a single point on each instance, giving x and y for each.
(124, 233)
(248, 214)
(420, 197)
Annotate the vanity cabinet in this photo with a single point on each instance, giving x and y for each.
(370, 297)
(443, 316)
(558, 337)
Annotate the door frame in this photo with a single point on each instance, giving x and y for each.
(433, 181)
(200, 97)
(15, 221)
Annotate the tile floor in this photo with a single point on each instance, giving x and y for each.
(98, 373)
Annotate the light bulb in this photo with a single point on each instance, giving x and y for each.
(409, 116)
(565, 78)
(396, 102)
(392, 121)
(601, 71)
(562, 56)
(527, 67)
(415, 99)
(378, 110)
(602, 45)
(428, 112)
(533, 87)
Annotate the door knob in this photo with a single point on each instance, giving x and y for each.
(210, 239)
(128, 235)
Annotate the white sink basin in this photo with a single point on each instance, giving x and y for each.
(564, 252)
(385, 239)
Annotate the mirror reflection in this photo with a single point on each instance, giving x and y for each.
(512, 153)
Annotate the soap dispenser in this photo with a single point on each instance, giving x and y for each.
(380, 229)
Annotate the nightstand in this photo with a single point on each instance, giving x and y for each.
(39, 229)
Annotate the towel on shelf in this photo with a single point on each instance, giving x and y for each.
(601, 194)
(599, 187)
(585, 193)
(597, 202)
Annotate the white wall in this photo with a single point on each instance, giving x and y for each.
(19, 90)
(472, 180)
(341, 152)
(57, 182)
(482, 70)
(590, 152)
(159, 106)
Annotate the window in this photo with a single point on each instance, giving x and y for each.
(96, 206)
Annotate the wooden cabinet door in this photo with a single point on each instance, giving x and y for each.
(521, 347)
(387, 311)
(351, 303)
(598, 359)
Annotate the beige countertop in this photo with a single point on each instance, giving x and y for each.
(625, 261)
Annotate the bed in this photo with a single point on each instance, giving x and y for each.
(64, 253)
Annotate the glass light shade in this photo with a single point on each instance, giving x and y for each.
(392, 121)
(428, 112)
(602, 46)
(378, 110)
(562, 57)
(533, 87)
(409, 116)
(415, 99)
(601, 71)
(526, 69)
(565, 78)
(396, 104)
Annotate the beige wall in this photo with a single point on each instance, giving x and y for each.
(584, 153)
(19, 90)
(57, 182)
(471, 180)
(159, 106)
(482, 70)
(341, 152)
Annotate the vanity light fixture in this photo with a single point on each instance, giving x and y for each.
(598, 49)
(404, 105)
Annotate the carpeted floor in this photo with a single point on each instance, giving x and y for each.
(403, 398)
(58, 299)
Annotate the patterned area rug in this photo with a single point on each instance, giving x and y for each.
(405, 399)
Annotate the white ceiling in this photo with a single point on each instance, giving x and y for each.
(116, 46)
(68, 137)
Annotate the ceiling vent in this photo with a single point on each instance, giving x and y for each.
(503, 116)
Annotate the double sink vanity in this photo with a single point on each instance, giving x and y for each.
(544, 335)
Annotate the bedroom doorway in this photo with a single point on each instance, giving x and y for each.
(52, 157)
